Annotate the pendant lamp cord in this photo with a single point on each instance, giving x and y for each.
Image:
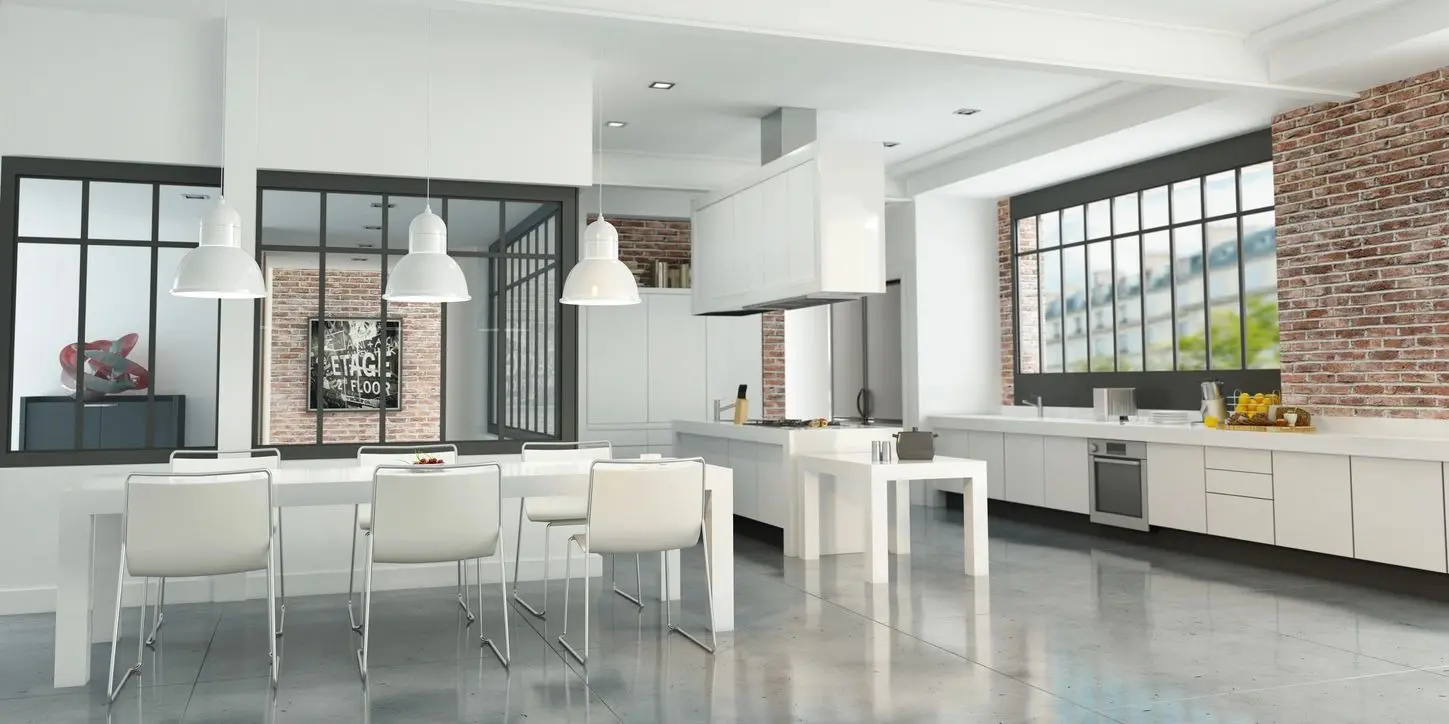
(599, 126)
(225, 76)
(428, 140)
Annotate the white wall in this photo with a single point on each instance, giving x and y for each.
(807, 363)
(148, 90)
(635, 201)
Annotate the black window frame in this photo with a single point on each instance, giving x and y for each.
(441, 190)
(12, 170)
(1177, 389)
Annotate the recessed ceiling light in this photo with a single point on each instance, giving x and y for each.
(372, 227)
(196, 197)
(966, 111)
(616, 124)
(890, 144)
(661, 85)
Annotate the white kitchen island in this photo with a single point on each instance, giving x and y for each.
(765, 475)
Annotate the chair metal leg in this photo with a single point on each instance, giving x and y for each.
(506, 655)
(158, 617)
(463, 593)
(638, 598)
(568, 578)
(709, 594)
(281, 577)
(547, 529)
(352, 568)
(366, 611)
(113, 688)
(273, 661)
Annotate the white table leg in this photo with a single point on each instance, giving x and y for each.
(809, 507)
(671, 562)
(721, 522)
(73, 600)
(974, 525)
(901, 517)
(877, 560)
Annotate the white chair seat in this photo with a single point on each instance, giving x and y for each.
(364, 517)
(556, 508)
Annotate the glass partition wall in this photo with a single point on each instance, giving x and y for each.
(339, 366)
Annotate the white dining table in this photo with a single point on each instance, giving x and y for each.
(90, 539)
(891, 533)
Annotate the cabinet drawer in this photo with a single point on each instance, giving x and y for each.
(1232, 482)
(1246, 461)
(1248, 519)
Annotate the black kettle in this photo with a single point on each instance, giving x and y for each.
(915, 445)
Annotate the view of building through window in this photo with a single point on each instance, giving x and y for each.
(1178, 277)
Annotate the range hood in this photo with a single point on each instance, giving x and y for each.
(802, 302)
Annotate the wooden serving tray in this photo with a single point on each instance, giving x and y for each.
(1268, 428)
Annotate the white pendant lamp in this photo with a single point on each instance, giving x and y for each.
(599, 278)
(427, 274)
(218, 268)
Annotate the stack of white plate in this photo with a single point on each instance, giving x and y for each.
(1170, 417)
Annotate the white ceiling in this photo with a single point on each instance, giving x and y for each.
(1234, 16)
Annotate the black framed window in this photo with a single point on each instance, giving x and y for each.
(1152, 276)
(487, 374)
(105, 365)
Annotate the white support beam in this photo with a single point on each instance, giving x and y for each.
(1336, 43)
(1033, 38)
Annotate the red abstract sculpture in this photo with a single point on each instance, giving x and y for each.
(107, 368)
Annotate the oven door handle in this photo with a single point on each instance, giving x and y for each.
(1118, 461)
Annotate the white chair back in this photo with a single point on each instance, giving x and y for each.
(209, 461)
(197, 524)
(371, 456)
(435, 513)
(645, 506)
(585, 451)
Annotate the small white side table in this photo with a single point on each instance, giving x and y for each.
(856, 468)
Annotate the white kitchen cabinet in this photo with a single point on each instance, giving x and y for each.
(990, 447)
(810, 223)
(1313, 502)
(773, 496)
(1398, 512)
(1024, 469)
(1232, 482)
(1065, 472)
(1244, 461)
(744, 460)
(953, 444)
(1176, 487)
(676, 360)
(616, 367)
(1232, 516)
(733, 357)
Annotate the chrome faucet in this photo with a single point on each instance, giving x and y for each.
(1040, 410)
(720, 408)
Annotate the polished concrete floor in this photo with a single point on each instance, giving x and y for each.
(1068, 629)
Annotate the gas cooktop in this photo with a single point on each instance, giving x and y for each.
(787, 423)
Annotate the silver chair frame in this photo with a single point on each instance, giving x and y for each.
(352, 621)
(542, 613)
(159, 615)
(505, 656)
(113, 687)
(668, 609)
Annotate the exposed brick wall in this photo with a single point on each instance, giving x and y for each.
(645, 241)
(350, 293)
(1362, 190)
(1008, 323)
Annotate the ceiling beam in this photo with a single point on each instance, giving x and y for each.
(994, 32)
(1313, 45)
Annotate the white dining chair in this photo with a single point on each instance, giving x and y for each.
(560, 510)
(213, 461)
(642, 506)
(369, 457)
(436, 514)
(194, 524)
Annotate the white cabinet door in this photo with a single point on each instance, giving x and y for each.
(712, 262)
(952, 444)
(1313, 502)
(1232, 516)
(1176, 487)
(774, 490)
(990, 447)
(1398, 512)
(676, 347)
(742, 460)
(733, 358)
(774, 236)
(746, 242)
(616, 364)
(1064, 469)
(801, 240)
(1024, 471)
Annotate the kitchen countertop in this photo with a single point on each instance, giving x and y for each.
(780, 435)
(1404, 448)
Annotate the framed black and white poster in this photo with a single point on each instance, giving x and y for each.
(360, 360)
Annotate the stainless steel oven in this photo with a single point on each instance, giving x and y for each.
(1118, 483)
